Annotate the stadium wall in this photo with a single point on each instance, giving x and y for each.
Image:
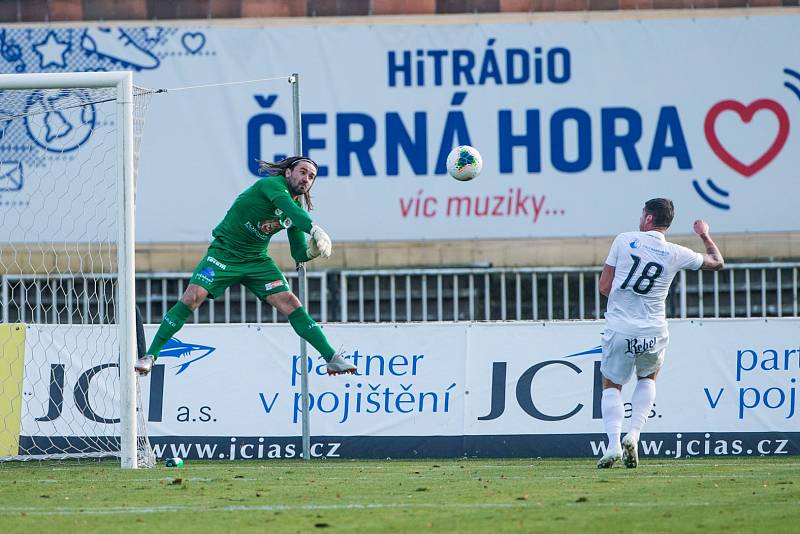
(503, 389)
(76, 10)
(182, 194)
(583, 251)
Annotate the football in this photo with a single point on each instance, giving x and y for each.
(464, 163)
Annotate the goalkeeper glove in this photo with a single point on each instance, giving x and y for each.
(312, 251)
(320, 243)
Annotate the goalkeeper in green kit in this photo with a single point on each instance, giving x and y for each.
(238, 254)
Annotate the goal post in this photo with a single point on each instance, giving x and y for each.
(127, 272)
(46, 120)
(297, 135)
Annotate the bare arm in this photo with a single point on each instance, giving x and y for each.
(712, 259)
(606, 279)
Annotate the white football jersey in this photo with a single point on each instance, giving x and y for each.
(644, 265)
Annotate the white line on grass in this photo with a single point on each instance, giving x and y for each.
(249, 508)
(417, 477)
(353, 506)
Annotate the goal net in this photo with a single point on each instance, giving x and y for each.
(68, 145)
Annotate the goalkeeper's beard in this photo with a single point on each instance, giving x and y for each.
(296, 192)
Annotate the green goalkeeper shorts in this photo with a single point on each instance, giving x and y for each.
(217, 272)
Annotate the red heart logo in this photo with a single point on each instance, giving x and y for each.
(746, 113)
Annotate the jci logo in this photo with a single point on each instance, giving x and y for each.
(525, 388)
(80, 393)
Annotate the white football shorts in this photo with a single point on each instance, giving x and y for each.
(625, 354)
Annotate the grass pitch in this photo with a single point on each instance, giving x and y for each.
(703, 495)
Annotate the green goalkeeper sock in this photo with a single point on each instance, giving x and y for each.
(306, 328)
(172, 322)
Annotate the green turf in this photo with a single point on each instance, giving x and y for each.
(749, 494)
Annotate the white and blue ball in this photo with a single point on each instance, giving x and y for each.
(464, 163)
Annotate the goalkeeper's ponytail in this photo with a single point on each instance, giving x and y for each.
(277, 168)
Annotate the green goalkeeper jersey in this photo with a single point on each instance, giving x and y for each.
(260, 212)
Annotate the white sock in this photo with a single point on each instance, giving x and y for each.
(611, 405)
(641, 403)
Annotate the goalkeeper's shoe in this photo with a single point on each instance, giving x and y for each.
(609, 459)
(337, 365)
(630, 451)
(144, 365)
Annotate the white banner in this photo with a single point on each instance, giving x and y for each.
(577, 121)
(409, 384)
(719, 376)
(485, 389)
(71, 382)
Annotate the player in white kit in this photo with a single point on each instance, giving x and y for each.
(636, 278)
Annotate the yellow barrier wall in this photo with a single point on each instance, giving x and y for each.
(12, 363)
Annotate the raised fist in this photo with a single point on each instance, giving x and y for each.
(700, 227)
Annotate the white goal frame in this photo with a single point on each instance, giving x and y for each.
(126, 315)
